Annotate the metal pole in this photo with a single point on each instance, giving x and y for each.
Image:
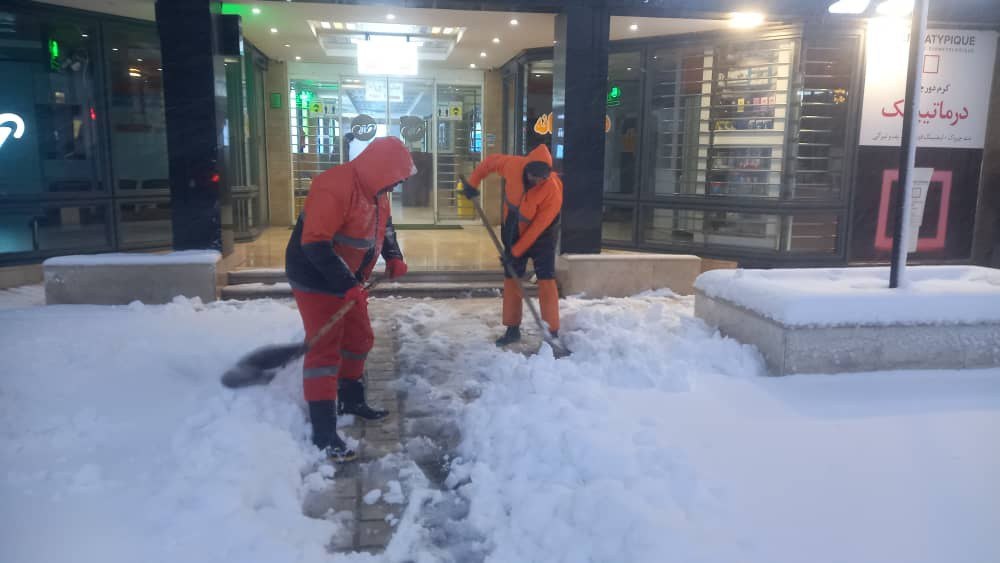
(908, 144)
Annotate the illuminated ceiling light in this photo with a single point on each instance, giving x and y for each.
(449, 30)
(538, 76)
(482, 54)
(496, 39)
(472, 65)
(274, 30)
(325, 25)
(256, 11)
(114, 49)
(338, 25)
(849, 6)
(745, 20)
(298, 58)
(84, 35)
(897, 8)
(159, 69)
(628, 68)
(390, 17)
(138, 60)
(514, 22)
(350, 26)
(436, 30)
(288, 44)
(634, 27)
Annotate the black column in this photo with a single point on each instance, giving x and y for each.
(580, 77)
(193, 85)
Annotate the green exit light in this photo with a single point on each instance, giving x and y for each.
(614, 97)
(53, 53)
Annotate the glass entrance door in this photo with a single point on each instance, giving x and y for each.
(377, 107)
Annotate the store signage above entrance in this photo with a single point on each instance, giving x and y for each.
(11, 125)
(543, 125)
(364, 127)
(954, 96)
(451, 111)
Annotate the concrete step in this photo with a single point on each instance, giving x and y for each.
(277, 275)
(437, 290)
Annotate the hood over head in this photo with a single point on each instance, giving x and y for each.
(384, 163)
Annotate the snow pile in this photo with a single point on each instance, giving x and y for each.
(861, 296)
(137, 258)
(117, 437)
(656, 440)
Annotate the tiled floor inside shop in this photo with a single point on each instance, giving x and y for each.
(468, 248)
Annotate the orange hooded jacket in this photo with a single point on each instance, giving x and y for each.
(341, 231)
(536, 208)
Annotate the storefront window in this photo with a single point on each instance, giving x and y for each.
(138, 128)
(622, 123)
(616, 223)
(538, 105)
(144, 224)
(47, 228)
(690, 227)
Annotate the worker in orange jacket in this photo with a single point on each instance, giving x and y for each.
(343, 228)
(531, 205)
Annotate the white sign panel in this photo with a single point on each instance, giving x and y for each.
(954, 86)
(375, 91)
(918, 201)
(11, 125)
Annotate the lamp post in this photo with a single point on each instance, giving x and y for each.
(908, 144)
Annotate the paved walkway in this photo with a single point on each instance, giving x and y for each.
(367, 527)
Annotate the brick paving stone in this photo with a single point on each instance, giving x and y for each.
(374, 533)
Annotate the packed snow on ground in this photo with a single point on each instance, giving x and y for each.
(656, 440)
(853, 296)
(22, 296)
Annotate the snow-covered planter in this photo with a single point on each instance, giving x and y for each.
(847, 319)
(119, 279)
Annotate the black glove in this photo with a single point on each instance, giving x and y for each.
(507, 263)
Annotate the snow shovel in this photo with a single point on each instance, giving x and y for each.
(260, 366)
(559, 350)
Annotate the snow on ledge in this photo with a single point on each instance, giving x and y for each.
(136, 259)
(861, 296)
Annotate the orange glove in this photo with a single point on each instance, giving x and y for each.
(395, 267)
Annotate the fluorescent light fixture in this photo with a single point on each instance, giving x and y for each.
(256, 11)
(325, 25)
(634, 27)
(338, 25)
(482, 54)
(387, 54)
(514, 22)
(390, 17)
(849, 6)
(274, 30)
(496, 39)
(897, 8)
(745, 20)
(436, 30)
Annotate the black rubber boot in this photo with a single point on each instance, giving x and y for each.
(351, 393)
(512, 335)
(323, 415)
